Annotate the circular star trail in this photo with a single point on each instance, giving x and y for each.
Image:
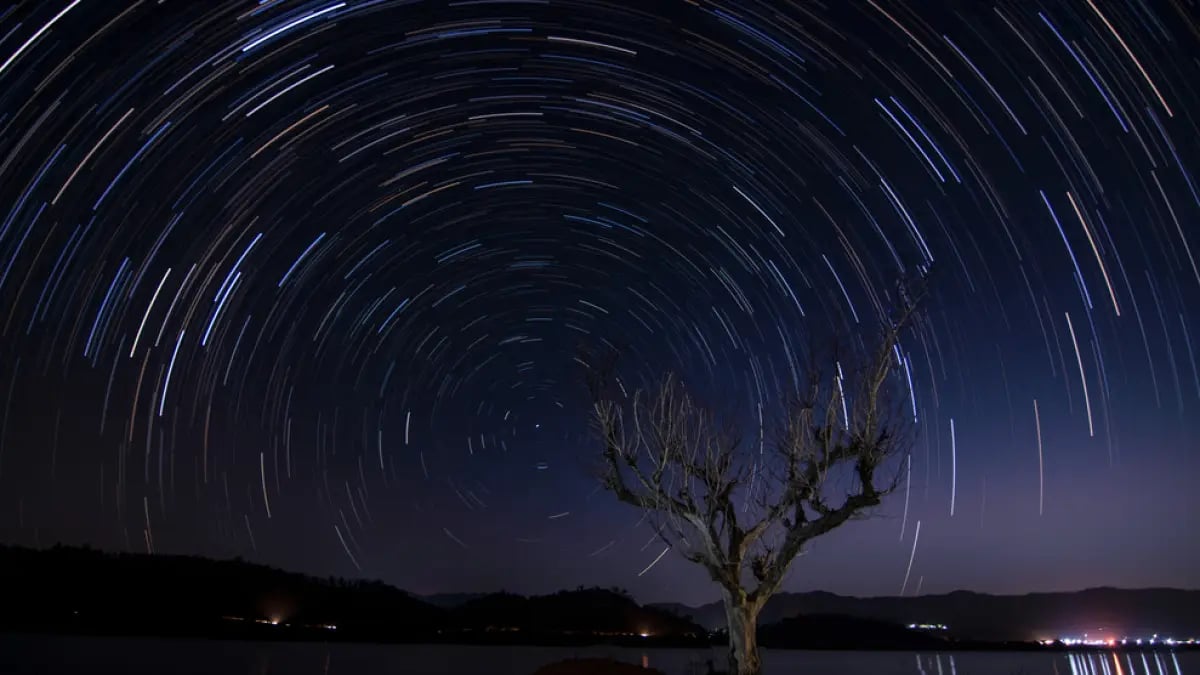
(305, 281)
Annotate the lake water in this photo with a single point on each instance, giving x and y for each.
(28, 654)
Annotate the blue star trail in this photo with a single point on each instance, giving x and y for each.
(305, 282)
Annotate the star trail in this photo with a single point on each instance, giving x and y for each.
(305, 281)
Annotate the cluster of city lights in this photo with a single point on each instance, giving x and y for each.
(277, 621)
(1151, 641)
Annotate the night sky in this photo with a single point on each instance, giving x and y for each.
(304, 281)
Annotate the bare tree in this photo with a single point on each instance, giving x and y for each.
(744, 511)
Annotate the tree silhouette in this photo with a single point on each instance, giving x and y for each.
(745, 513)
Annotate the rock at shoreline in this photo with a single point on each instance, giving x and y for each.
(594, 667)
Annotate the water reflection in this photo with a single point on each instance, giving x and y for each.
(23, 654)
(1112, 663)
(262, 662)
(781, 663)
(967, 663)
(935, 664)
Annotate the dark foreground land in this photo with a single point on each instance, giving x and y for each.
(83, 591)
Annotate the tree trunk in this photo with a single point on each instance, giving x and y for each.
(742, 620)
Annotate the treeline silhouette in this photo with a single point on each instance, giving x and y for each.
(79, 589)
(835, 631)
(85, 591)
(994, 618)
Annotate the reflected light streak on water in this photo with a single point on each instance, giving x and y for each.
(22, 654)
